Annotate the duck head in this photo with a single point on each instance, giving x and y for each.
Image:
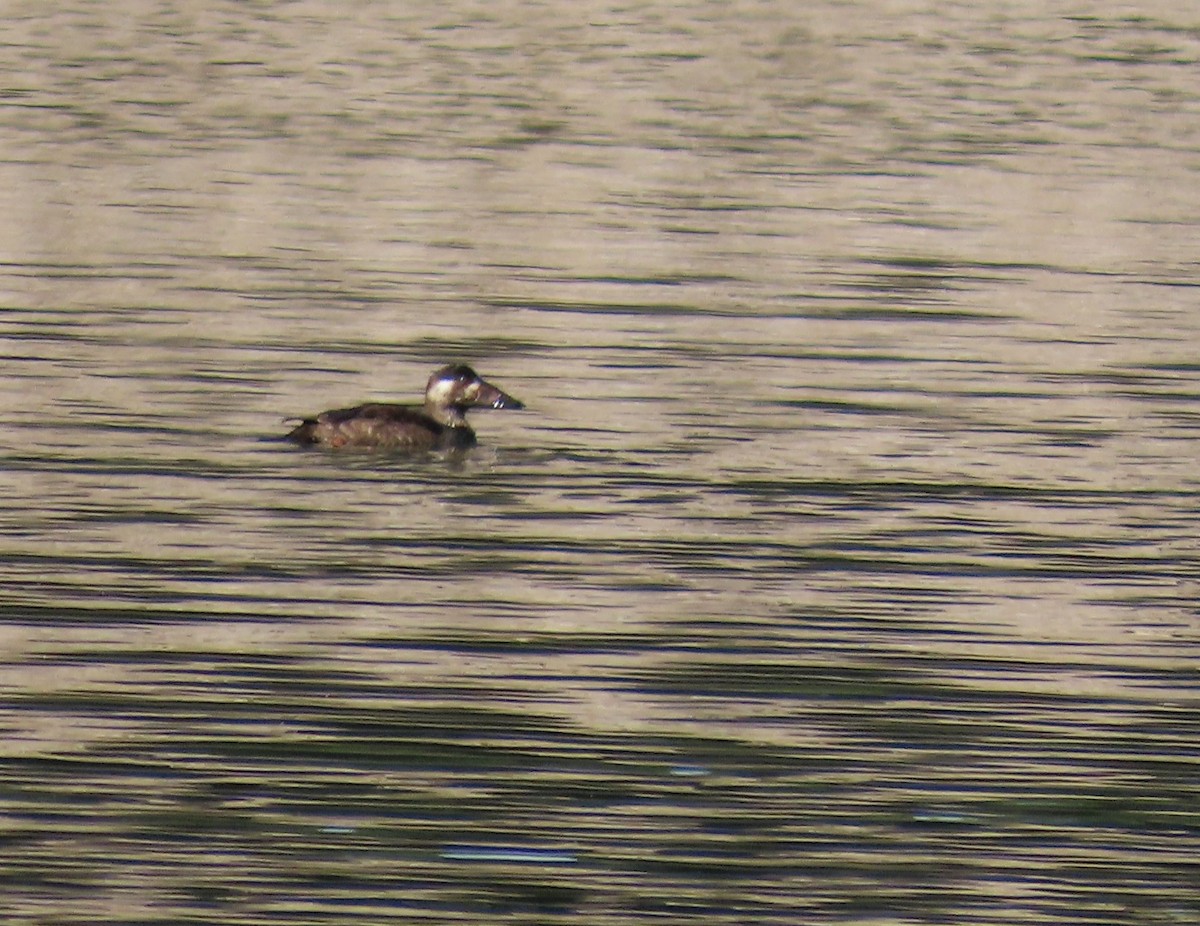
(455, 388)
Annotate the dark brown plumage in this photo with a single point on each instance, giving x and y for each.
(440, 425)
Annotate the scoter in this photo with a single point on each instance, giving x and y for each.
(441, 425)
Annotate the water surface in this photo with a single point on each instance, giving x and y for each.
(842, 568)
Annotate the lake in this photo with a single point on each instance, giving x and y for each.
(842, 568)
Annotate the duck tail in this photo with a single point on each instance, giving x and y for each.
(304, 433)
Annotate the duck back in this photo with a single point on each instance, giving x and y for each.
(380, 426)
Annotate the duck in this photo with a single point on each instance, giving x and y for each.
(441, 425)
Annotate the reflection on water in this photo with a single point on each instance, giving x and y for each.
(842, 568)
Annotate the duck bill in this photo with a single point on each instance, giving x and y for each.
(491, 397)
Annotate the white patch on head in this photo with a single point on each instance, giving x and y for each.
(441, 392)
(452, 391)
